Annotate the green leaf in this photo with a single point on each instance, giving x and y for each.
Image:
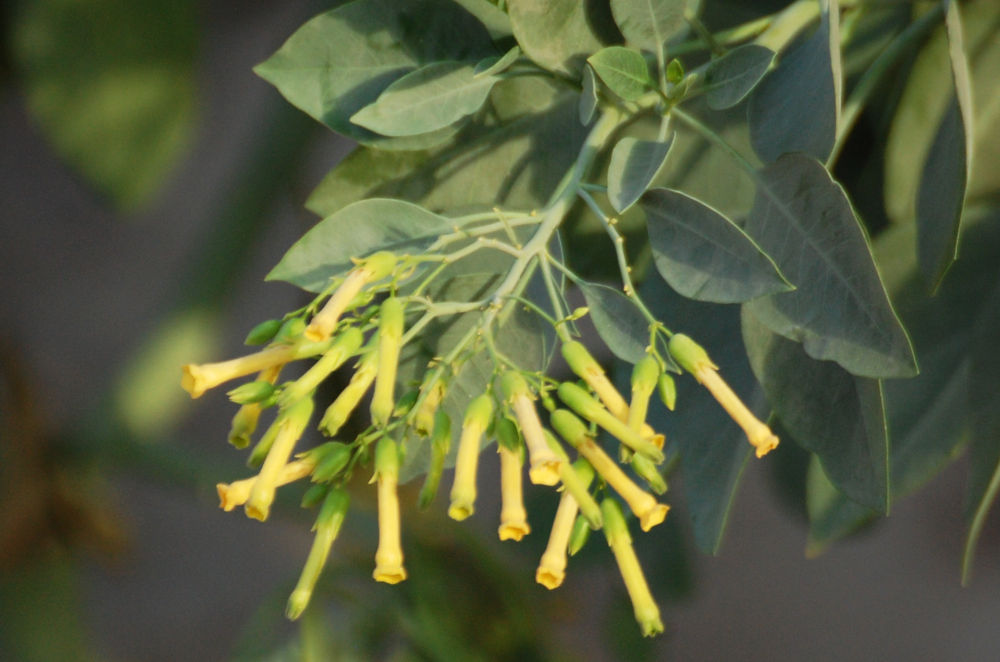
(797, 106)
(516, 163)
(704, 255)
(634, 165)
(649, 24)
(830, 412)
(714, 451)
(340, 61)
(840, 310)
(984, 399)
(588, 96)
(730, 78)
(619, 321)
(355, 231)
(623, 70)
(492, 66)
(430, 98)
(496, 21)
(831, 515)
(941, 195)
(112, 85)
(557, 34)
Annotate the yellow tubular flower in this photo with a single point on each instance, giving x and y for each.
(544, 463)
(341, 408)
(197, 379)
(291, 425)
(390, 333)
(587, 368)
(463, 490)
(424, 418)
(576, 479)
(581, 402)
(552, 566)
(693, 358)
(642, 503)
(328, 523)
(647, 613)
(389, 555)
(236, 493)
(513, 516)
(369, 270)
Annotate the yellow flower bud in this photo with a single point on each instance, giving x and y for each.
(369, 270)
(693, 358)
(643, 504)
(463, 491)
(513, 516)
(389, 555)
(644, 377)
(647, 613)
(424, 418)
(544, 463)
(347, 401)
(390, 333)
(290, 426)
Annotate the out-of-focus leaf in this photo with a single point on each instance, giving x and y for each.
(618, 320)
(112, 85)
(713, 449)
(557, 34)
(634, 165)
(341, 61)
(730, 78)
(834, 414)
(839, 311)
(704, 255)
(492, 66)
(623, 70)
(495, 20)
(649, 24)
(429, 98)
(588, 96)
(357, 230)
(359, 172)
(797, 106)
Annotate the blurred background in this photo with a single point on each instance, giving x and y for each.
(149, 182)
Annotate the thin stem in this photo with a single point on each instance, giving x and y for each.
(709, 134)
(555, 298)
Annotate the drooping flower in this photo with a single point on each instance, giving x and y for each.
(373, 268)
(543, 462)
(327, 527)
(291, 423)
(647, 613)
(692, 357)
(389, 555)
(390, 334)
(513, 516)
(552, 566)
(584, 405)
(463, 491)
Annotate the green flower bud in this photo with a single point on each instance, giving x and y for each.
(263, 332)
(649, 472)
(689, 355)
(347, 401)
(290, 330)
(390, 332)
(507, 435)
(405, 403)
(440, 445)
(424, 418)
(378, 265)
(668, 390)
(244, 424)
(327, 527)
(579, 535)
(675, 71)
(331, 461)
(314, 495)
(251, 392)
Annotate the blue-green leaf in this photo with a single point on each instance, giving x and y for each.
(496, 21)
(649, 24)
(340, 61)
(704, 255)
(112, 85)
(797, 106)
(557, 34)
(945, 175)
(840, 310)
(834, 414)
(618, 320)
(355, 231)
(429, 98)
(730, 78)
(714, 451)
(623, 70)
(492, 66)
(634, 165)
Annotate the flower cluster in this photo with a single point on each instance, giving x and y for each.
(364, 318)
